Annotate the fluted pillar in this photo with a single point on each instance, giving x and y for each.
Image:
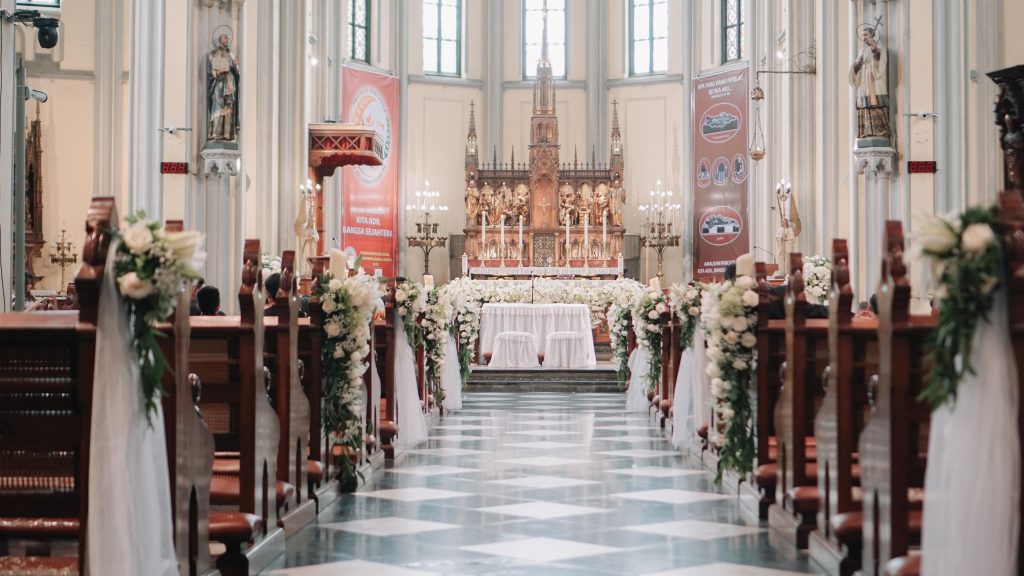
(292, 126)
(147, 107)
(107, 100)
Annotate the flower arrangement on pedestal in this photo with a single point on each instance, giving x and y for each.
(648, 324)
(618, 329)
(151, 266)
(435, 337)
(685, 301)
(348, 305)
(410, 303)
(730, 321)
(966, 260)
(817, 279)
(270, 263)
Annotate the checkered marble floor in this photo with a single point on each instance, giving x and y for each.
(540, 484)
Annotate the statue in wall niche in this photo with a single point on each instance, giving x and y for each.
(790, 227)
(601, 203)
(567, 205)
(618, 201)
(521, 206)
(869, 75)
(222, 83)
(472, 203)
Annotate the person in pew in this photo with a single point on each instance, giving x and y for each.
(271, 285)
(193, 306)
(864, 310)
(777, 308)
(208, 300)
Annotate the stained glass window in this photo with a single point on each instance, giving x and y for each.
(732, 30)
(533, 31)
(648, 36)
(442, 37)
(359, 30)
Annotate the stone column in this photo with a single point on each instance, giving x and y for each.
(7, 64)
(877, 165)
(292, 171)
(147, 106)
(494, 77)
(107, 100)
(950, 79)
(597, 78)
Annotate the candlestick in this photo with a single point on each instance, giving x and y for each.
(483, 237)
(521, 246)
(586, 238)
(567, 240)
(501, 241)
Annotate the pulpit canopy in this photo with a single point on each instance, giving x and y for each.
(335, 145)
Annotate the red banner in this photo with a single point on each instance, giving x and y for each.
(369, 201)
(720, 171)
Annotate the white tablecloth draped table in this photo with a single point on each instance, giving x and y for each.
(566, 350)
(514, 350)
(539, 320)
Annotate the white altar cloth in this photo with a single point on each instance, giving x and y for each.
(537, 319)
(514, 350)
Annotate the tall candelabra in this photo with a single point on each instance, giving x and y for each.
(656, 229)
(63, 254)
(427, 236)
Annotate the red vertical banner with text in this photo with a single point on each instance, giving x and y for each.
(720, 171)
(369, 204)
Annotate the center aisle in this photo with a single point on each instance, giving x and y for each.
(540, 484)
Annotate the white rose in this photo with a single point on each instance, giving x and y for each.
(976, 238)
(751, 299)
(739, 364)
(400, 295)
(134, 287)
(745, 282)
(333, 329)
(732, 337)
(661, 308)
(749, 340)
(138, 238)
(653, 328)
(653, 315)
(694, 311)
(937, 238)
(329, 305)
(188, 249)
(739, 324)
(334, 285)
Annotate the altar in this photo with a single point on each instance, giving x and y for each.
(538, 320)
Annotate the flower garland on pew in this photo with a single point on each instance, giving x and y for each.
(435, 330)
(730, 319)
(409, 301)
(348, 305)
(151, 266)
(618, 331)
(685, 302)
(817, 280)
(965, 256)
(648, 324)
(460, 297)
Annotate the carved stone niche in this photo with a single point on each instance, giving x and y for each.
(1009, 114)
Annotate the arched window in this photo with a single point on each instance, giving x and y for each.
(359, 30)
(533, 30)
(648, 37)
(732, 30)
(442, 37)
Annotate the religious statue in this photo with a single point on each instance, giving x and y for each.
(305, 223)
(472, 203)
(566, 205)
(789, 227)
(487, 203)
(869, 75)
(505, 200)
(521, 206)
(601, 203)
(222, 89)
(618, 201)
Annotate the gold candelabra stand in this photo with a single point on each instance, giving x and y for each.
(656, 232)
(63, 254)
(427, 237)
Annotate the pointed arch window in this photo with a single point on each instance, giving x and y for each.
(732, 30)
(442, 37)
(359, 30)
(648, 37)
(533, 32)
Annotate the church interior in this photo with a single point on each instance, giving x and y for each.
(603, 287)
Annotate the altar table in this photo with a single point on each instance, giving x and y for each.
(539, 320)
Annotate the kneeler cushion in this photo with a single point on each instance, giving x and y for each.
(848, 527)
(225, 490)
(234, 527)
(904, 566)
(18, 565)
(231, 467)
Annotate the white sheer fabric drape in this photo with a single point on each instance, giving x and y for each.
(636, 395)
(412, 426)
(700, 383)
(451, 377)
(682, 405)
(972, 486)
(130, 528)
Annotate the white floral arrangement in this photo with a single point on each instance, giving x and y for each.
(618, 330)
(151, 267)
(648, 325)
(270, 263)
(729, 311)
(348, 305)
(435, 338)
(461, 297)
(410, 302)
(686, 301)
(817, 279)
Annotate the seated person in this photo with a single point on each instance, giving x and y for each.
(208, 299)
(272, 284)
(193, 306)
(864, 310)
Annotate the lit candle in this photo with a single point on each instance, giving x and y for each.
(567, 240)
(520, 236)
(604, 228)
(501, 237)
(586, 234)
(428, 281)
(655, 284)
(338, 263)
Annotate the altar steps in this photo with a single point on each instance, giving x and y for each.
(581, 381)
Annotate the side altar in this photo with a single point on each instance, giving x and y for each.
(555, 217)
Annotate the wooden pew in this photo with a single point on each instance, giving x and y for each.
(384, 341)
(46, 383)
(1011, 217)
(227, 355)
(669, 345)
(893, 446)
(806, 350)
(853, 363)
